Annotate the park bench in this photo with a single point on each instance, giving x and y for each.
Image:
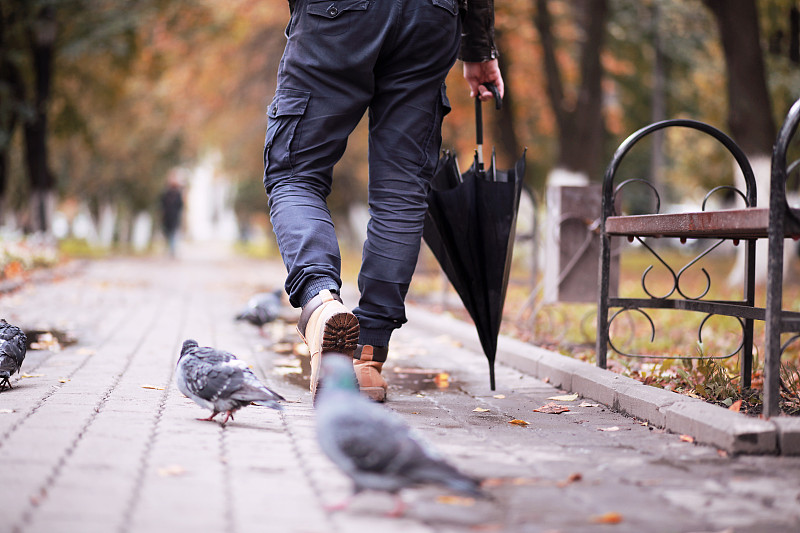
(743, 226)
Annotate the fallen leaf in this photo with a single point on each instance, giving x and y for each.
(500, 481)
(612, 428)
(301, 349)
(171, 471)
(572, 478)
(442, 380)
(480, 410)
(6, 411)
(552, 408)
(286, 370)
(63, 380)
(450, 499)
(588, 404)
(736, 406)
(546, 380)
(32, 375)
(607, 518)
(564, 398)
(153, 387)
(687, 438)
(499, 396)
(518, 422)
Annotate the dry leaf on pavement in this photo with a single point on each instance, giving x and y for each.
(499, 396)
(451, 499)
(588, 404)
(564, 398)
(171, 471)
(518, 422)
(687, 438)
(607, 518)
(552, 408)
(480, 410)
(153, 387)
(612, 428)
(572, 478)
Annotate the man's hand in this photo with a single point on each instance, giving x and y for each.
(477, 74)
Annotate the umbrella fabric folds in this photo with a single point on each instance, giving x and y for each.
(469, 227)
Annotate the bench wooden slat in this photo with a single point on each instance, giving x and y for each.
(749, 223)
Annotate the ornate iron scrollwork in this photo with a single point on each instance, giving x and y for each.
(653, 336)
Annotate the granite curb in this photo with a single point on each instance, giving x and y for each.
(735, 433)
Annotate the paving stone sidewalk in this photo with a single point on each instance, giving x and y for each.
(97, 438)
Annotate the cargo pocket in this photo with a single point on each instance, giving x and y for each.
(449, 5)
(334, 17)
(445, 101)
(284, 112)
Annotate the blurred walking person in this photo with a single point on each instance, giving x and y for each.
(171, 211)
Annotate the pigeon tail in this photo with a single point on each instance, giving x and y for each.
(272, 404)
(437, 471)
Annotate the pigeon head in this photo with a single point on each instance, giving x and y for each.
(187, 345)
(337, 372)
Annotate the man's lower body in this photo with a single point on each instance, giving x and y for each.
(344, 57)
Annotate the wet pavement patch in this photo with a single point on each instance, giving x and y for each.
(419, 379)
(296, 370)
(49, 339)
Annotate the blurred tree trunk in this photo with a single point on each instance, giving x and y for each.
(42, 39)
(579, 119)
(506, 140)
(11, 96)
(749, 107)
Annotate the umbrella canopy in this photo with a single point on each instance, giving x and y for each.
(469, 227)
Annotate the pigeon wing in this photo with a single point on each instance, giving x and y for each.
(212, 380)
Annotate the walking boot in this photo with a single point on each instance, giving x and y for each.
(326, 325)
(368, 362)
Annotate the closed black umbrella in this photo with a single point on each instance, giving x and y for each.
(470, 227)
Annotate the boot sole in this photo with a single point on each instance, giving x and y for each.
(341, 334)
(376, 394)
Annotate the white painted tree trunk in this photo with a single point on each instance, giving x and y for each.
(142, 233)
(42, 202)
(106, 224)
(761, 169)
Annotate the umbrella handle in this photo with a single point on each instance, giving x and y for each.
(498, 102)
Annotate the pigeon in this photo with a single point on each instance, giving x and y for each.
(262, 308)
(219, 381)
(13, 346)
(373, 445)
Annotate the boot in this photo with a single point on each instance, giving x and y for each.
(368, 363)
(326, 325)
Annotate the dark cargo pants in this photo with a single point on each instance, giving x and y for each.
(343, 57)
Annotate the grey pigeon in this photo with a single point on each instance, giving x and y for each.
(219, 381)
(372, 444)
(262, 308)
(13, 346)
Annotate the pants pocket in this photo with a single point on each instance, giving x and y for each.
(334, 17)
(284, 112)
(449, 5)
